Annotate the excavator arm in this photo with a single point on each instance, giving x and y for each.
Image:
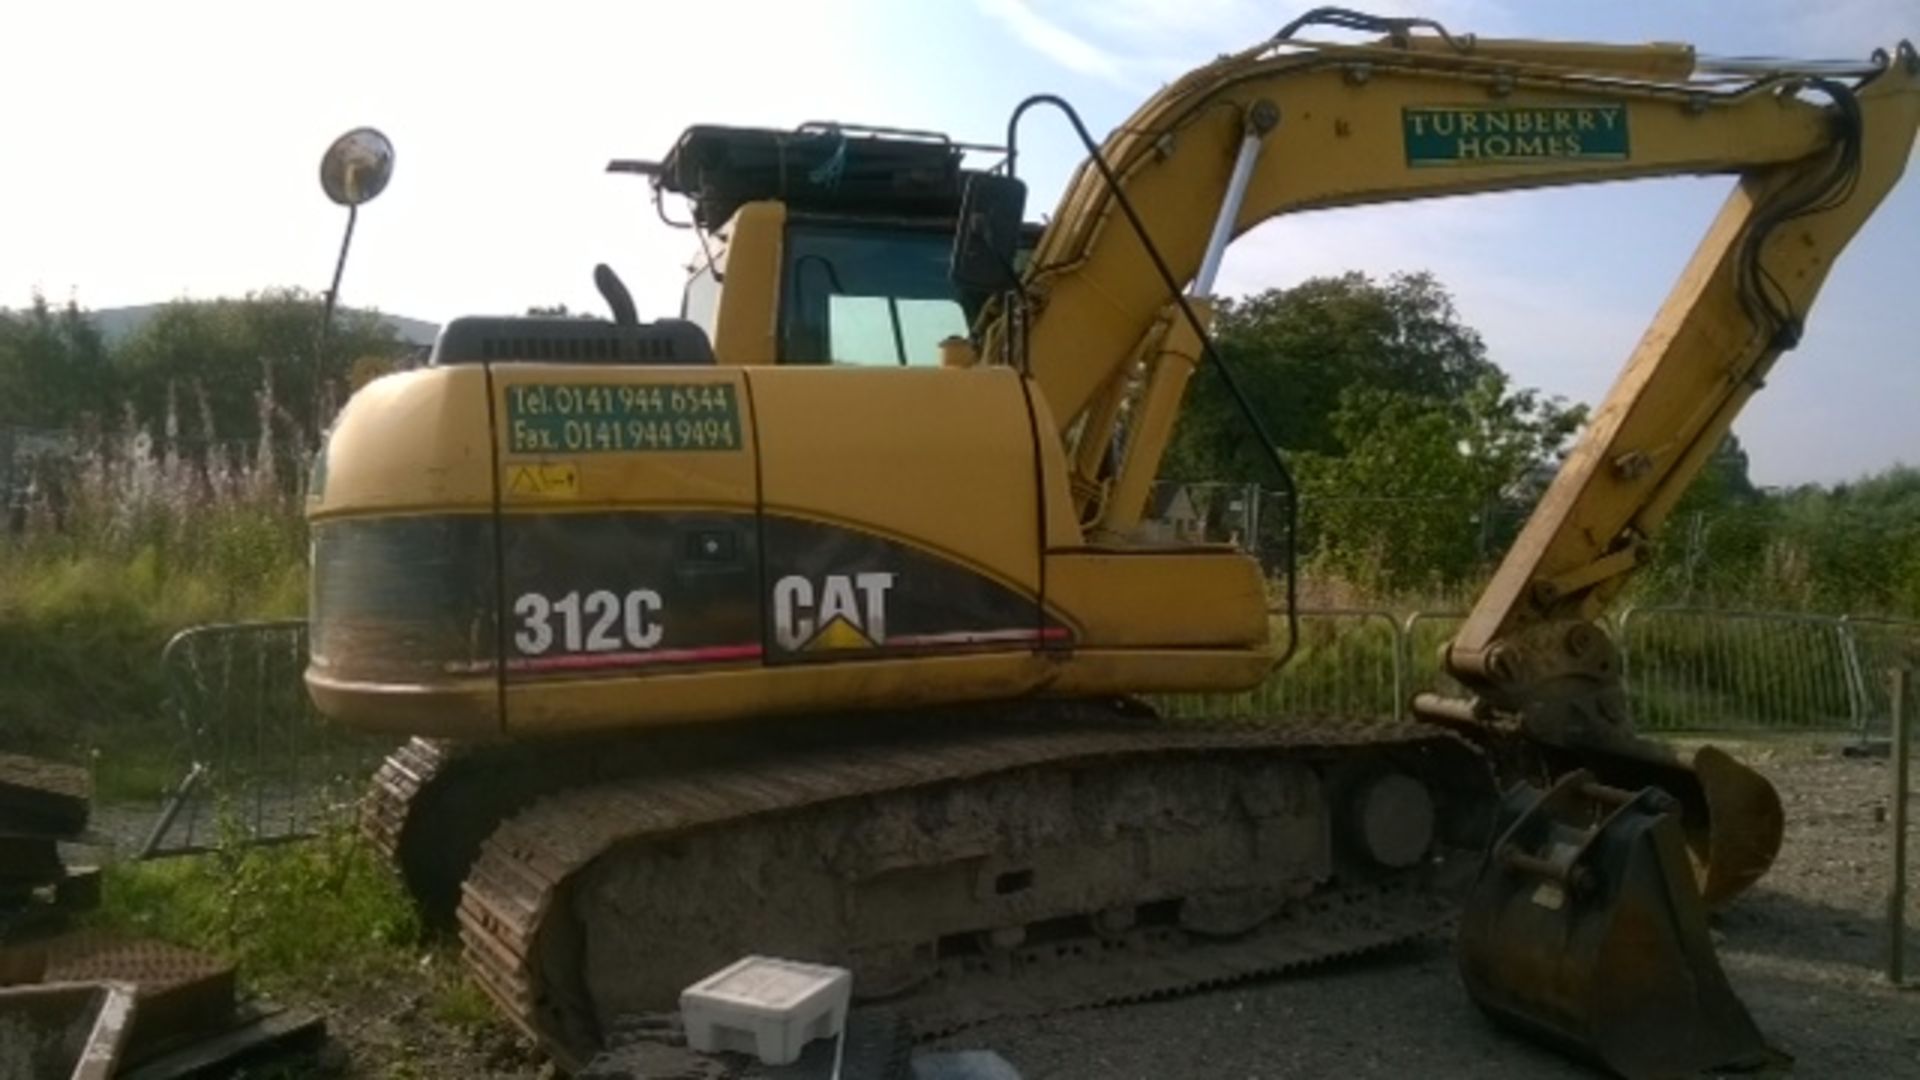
(1290, 126)
(1587, 925)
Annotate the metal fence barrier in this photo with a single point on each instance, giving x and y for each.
(1687, 669)
(1423, 635)
(261, 763)
(1348, 663)
(1874, 646)
(1698, 669)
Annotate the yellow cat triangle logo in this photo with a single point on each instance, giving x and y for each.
(839, 634)
(543, 481)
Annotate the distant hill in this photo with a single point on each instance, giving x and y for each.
(117, 324)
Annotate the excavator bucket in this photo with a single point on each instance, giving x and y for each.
(1586, 930)
(1730, 815)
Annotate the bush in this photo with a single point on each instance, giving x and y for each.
(114, 551)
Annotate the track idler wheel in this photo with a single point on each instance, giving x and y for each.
(1586, 929)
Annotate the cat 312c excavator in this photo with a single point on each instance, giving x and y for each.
(819, 621)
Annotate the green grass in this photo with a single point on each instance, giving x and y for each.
(323, 923)
(455, 1000)
(312, 915)
(84, 616)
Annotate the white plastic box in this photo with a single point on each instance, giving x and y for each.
(766, 1007)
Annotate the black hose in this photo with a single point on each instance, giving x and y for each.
(1761, 296)
(1348, 19)
(1211, 355)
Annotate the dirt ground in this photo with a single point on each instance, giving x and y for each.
(1805, 950)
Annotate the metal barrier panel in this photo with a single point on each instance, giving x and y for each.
(1347, 664)
(261, 763)
(1692, 669)
(1875, 646)
(1423, 635)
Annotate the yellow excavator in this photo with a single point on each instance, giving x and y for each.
(819, 621)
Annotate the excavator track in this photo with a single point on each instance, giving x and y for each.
(978, 864)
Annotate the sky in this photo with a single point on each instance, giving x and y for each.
(161, 151)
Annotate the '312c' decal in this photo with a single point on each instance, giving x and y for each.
(600, 621)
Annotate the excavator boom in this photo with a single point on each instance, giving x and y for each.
(1426, 116)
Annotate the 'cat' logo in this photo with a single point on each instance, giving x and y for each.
(846, 611)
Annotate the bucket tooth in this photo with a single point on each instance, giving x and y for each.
(1586, 929)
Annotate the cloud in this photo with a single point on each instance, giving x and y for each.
(1844, 29)
(1245, 21)
(1552, 331)
(1141, 43)
(1054, 41)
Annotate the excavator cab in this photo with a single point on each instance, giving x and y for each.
(862, 245)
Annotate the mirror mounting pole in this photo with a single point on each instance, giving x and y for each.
(339, 266)
(326, 325)
(327, 321)
(354, 170)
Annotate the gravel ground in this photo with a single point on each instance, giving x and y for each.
(1804, 950)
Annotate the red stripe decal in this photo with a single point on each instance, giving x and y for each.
(592, 661)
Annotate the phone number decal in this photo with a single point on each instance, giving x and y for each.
(622, 417)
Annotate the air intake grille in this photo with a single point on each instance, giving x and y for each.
(571, 341)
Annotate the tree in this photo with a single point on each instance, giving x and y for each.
(1851, 547)
(1422, 490)
(1297, 351)
(232, 351)
(54, 370)
(1717, 538)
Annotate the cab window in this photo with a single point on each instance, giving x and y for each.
(700, 304)
(860, 294)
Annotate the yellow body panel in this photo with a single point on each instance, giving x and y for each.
(748, 327)
(941, 455)
(412, 442)
(740, 693)
(454, 708)
(1181, 597)
(1106, 672)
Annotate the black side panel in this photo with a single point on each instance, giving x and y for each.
(403, 599)
(607, 592)
(841, 594)
(411, 600)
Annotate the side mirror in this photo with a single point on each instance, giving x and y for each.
(987, 237)
(356, 167)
